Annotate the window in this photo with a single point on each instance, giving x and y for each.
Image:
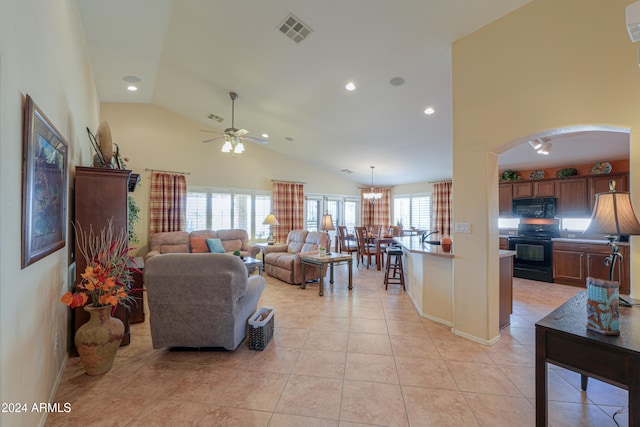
(313, 207)
(574, 224)
(350, 213)
(508, 222)
(210, 210)
(412, 211)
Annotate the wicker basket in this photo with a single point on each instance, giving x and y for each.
(261, 328)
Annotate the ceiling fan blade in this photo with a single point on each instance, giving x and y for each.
(241, 132)
(214, 139)
(258, 140)
(209, 131)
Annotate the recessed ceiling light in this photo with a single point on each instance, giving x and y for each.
(132, 88)
(429, 111)
(131, 79)
(351, 86)
(396, 81)
(264, 135)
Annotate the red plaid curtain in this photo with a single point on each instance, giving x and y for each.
(377, 211)
(167, 202)
(288, 208)
(442, 207)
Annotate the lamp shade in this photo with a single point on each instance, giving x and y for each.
(271, 220)
(613, 215)
(327, 223)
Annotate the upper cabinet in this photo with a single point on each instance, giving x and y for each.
(575, 196)
(600, 184)
(572, 197)
(505, 195)
(522, 190)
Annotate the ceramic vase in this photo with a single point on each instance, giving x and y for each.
(98, 340)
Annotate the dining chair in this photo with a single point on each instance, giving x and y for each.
(346, 245)
(364, 247)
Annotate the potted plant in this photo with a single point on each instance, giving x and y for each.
(322, 251)
(104, 285)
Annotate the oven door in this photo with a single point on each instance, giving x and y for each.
(533, 259)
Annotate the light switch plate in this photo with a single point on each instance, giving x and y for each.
(463, 227)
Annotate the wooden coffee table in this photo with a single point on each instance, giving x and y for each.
(322, 262)
(252, 264)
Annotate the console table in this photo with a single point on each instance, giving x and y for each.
(563, 339)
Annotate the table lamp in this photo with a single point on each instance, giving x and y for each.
(327, 225)
(271, 221)
(612, 216)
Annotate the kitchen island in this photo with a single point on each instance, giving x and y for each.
(429, 278)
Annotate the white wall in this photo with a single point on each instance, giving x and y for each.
(156, 138)
(43, 54)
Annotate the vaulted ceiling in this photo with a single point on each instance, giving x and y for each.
(189, 54)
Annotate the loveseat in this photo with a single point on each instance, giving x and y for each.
(284, 262)
(200, 300)
(195, 242)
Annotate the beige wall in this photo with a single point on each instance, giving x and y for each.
(155, 138)
(547, 65)
(43, 54)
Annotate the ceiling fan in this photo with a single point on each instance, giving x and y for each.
(233, 138)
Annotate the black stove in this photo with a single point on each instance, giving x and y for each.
(533, 259)
(538, 231)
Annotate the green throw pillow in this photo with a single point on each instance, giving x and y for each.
(215, 246)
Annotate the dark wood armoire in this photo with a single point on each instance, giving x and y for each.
(100, 194)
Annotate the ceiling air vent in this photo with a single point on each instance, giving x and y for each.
(216, 118)
(294, 28)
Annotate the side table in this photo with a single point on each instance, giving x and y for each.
(322, 261)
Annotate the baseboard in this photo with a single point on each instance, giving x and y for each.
(476, 339)
(437, 320)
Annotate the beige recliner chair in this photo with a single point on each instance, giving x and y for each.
(200, 300)
(284, 262)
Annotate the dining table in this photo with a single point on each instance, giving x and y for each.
(379, 241)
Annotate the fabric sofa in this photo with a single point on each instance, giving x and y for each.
(200, 300)
(194, 242)
(284, 262)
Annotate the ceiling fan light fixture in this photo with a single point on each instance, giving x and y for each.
(227, 147)
(239, 148)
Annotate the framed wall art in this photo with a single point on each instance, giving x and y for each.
(44, 186)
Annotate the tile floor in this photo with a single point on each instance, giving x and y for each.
(360, 358)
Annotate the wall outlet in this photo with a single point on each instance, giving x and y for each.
(463, 227)
(571, 235)
(57, 342)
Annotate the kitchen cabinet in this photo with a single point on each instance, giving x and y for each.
(506, 290)
(523, 190)
(600, 184)
(504, 243)
(544, 188)
(505, 196)
(572, 197)
(573, 262)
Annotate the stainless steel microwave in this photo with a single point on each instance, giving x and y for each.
(534, 208)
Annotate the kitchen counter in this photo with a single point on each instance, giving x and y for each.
(504, 253)
(587, 241)
(414, 244)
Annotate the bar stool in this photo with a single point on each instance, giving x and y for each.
(394, 262)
